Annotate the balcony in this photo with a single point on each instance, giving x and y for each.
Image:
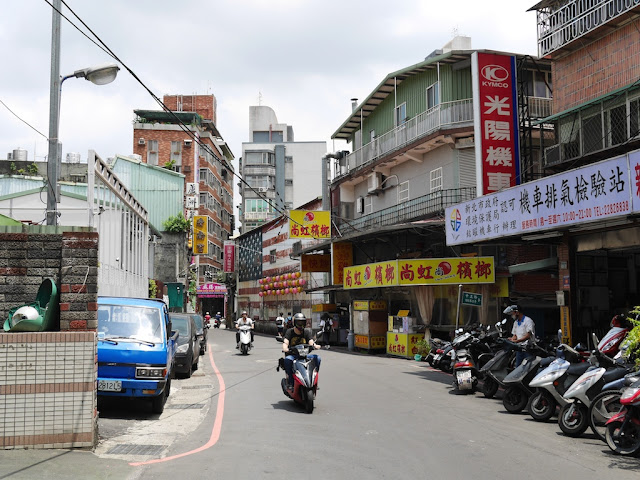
(253, 216)
(539, 107)
(447, 114)
(579, 19)
(416, 209)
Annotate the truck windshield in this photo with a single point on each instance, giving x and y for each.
(129, 321)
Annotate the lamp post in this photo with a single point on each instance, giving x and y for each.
(100, 75)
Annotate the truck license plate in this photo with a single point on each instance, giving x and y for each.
(110, 385)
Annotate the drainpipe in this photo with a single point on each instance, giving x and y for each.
(439, 96)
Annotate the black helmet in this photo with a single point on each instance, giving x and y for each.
(299, 320)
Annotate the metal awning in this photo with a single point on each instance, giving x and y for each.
(551, 262)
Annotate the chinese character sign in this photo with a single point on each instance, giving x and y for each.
(309, 224)
(315, 263)
(596, 192)
(342, 257)
(440, 271)
(200, 237)
(229, 256)
(634, 170)
(496, 121)
(382, 274)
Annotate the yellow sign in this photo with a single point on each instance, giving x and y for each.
(315, 263)
(361, 305)
(565, 325)
(370, 305)
(309, 224)
(372, 342)
(378, 305)
(323, 307)
(403, 344)
(342, 257)
(382, 274)
(437, 271)
(200, 235)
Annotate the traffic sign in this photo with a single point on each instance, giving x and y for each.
(474, 299)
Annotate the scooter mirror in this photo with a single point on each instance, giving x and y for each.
(594, 337)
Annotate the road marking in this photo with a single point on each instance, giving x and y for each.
(217, 424)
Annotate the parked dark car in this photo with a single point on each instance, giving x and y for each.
(187, 352)
(201, 329)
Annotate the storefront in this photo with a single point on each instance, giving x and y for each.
(212, 298)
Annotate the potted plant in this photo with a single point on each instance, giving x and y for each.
(422, 350)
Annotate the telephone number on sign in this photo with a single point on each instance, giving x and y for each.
(611, 208)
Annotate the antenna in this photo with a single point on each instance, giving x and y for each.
(259, 98)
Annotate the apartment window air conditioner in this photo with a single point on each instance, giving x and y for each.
(262, 189)
(187, 143)
(373, 182)
(141, 141)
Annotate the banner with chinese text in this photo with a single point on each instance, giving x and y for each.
(496, 121)
(342, 256)
(309, 224)
(200, 237)
(229, 256)
(372, 275)
(315, 263)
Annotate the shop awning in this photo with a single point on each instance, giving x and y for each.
(551, 262)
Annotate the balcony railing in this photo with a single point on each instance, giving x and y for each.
(557, 28)
(416, 209)
(539, 107)
(443, 115)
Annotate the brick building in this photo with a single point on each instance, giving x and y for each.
(187, 140)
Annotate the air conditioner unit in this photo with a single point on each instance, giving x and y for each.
(373, 182)
(262, 189)
(188, 142)
(141, 141)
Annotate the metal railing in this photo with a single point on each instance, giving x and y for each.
(443, 115)
(559, 27)
(539, 107)
(418, 208)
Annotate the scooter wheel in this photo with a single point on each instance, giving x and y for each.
(514, 400)
(573, 419)
(489, 387)
(623, 442)
(308, 403)
(541, 406)
(604, 406)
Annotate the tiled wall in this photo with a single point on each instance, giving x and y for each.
(47, 390)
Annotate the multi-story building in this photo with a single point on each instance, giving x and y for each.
(279, 172)
(187, 140)
(416, 149)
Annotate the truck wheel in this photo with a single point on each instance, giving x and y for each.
(157, 403)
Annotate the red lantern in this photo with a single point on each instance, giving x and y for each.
(286, 290)
(302, 281)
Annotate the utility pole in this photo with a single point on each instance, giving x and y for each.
(54, 118)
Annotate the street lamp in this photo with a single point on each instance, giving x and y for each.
(99, 75)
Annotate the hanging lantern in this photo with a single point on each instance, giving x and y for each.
(299, 289)
(286, 290)
(303, 282)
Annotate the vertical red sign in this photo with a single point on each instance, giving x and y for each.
(498, 126)
(229, 257)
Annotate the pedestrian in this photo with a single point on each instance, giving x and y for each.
(523, 331)
(326, 327)
(280, 324)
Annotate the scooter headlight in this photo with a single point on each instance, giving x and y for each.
(630, 395)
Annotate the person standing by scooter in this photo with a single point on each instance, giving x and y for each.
(523, 331)
(296, 336)
(243, 320)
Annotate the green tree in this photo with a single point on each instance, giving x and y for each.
(176, 224)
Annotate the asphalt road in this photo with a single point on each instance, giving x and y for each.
(375, 417)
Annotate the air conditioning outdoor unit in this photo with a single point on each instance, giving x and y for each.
(187, 143)
(141, 141)
(262, 189)
(373, 182)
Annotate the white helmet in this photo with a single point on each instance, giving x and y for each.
(511, 309)
(25, 313)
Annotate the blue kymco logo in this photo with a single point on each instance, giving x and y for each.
(456, 219)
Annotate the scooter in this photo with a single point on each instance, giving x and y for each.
(496, 369)
(517, 391)
(623, 429)
(471, 351)
(245, 339)
(216, 323)
(305, 377)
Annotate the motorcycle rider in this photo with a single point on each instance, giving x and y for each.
(243, 320)
(218, 318)
(207, 318)
(523, 331)
(296, 336)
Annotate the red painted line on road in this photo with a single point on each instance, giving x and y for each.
(217, 424)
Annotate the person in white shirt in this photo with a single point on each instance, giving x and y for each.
(326, 325)
(280, 324)
(523, 331)
(243, 320)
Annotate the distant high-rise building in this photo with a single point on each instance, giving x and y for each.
(279, 172)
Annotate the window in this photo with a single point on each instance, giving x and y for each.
(256, 205)
(401, 114)
(272, 256)
(368, 205)
(433, 95)
(359, 204)
(435, 180)
(152, 152)
(403, 192)
(176, 152)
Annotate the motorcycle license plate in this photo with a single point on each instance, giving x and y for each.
(464, 376)
(109, 385)
(437, 357)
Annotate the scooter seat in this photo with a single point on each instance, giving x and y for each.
(578, 369)
(614, 374)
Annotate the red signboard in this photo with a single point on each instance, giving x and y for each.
(497, 126)
(229, 257)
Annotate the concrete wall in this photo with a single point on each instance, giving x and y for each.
(47, 379)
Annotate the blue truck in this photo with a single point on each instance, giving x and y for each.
(136, 349)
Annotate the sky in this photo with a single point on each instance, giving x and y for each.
(304, 58)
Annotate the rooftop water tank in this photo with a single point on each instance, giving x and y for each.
(20, 155)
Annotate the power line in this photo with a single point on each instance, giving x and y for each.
(24, 121)
(103, 46)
